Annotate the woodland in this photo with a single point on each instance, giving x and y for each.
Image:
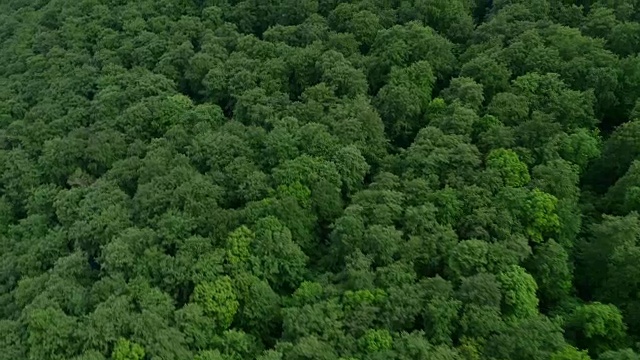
(319, 180)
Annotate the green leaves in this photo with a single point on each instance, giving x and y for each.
(281, 261)
(506, 162)
(540, 210)
(551, 268)
(126, 350)
(376, 340)
(598, 327)
(403, 100)
(469, 257)
(319, 179)
(570, 353)
(544, 338)
(519, 293)
(238, 247)
(352, 167)
(217, 300)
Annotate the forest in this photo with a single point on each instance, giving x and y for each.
(319, 180)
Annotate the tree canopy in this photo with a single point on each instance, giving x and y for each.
(319, 179)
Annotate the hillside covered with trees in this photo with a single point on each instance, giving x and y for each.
(319, 180)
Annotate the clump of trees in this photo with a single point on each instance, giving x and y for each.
(319, 180)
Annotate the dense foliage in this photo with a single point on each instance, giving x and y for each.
(319, 179)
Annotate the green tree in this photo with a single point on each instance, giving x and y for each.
(597, 327)
(126, 350)
(217, 300)
(544, 339)
(363, 24)
(376, 340)
(570, 353)
(260, 310)
(622, 198)
(581, 148)
(508, 165)
(469, 257)
(402, 45)
(405, 97)
(352, 167)
(281, 261)
(319, 179)
(558, 178)
(542, 219)
(519, 293)
(466, 91)
(625, 354)
(238, 247)
(597, 251)
(50, 332)
(490, 73)
(551, 268)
